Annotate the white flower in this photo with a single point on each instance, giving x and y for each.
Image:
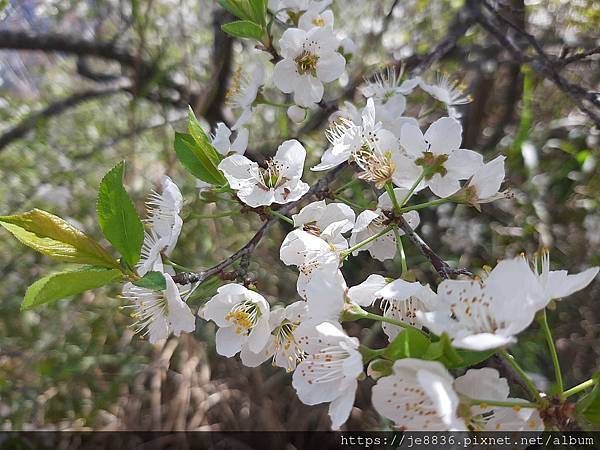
(486, 315)
(330, 370)
(446, 91)
(282, 345)
(439, 153)
(486, 384)
(282, 8)
(348, 137)
(348, 46)
(400, 300)
(390, 102)
(243, 92)
(165, 226)
(418, 396)
(317, 216)
(369, 223)
(242, 316)
(484, 185)
(279, 182)
(315, 17)
(159, 313)
(318, 259)
(557, 284)
(222, 140)
(310, 58)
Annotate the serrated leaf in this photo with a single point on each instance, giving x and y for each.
(243, 29)
(409, 343)
(118, 218)
(64, 284)
(53, 236)
(152, 280)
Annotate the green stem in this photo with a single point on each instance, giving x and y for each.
(412, 189)
(348, 202)
(543, 320)
(580, 387)
(401, 250)
(177, 266)
(530, 386)
(280, 216)
(389, 188)
(349, 251)
(347, 185)
(477, 402)
(215, 216)
(398, 323)
(436, 202)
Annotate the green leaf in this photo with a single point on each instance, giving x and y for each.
(470, 358)
(243, 29)
(64, 284)
(250, 10)
(589, 405)
(197, 154)
(410, 343)
(52, 236)
(118, 218)
(443, 352)
(152, 280)
(381, 368)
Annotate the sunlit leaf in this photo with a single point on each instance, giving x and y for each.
(52, 236)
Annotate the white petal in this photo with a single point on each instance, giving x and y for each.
(341, 407)
(180, 317)
(241, 142)
(483, 341)
(443, 186)
(259, 336)
(330, 67)
(444, 136)
(228, 342)
(412, 140)
(254, 195)
(238, 170)
(399, 289)
(221, 140)
(285, 75)
(561, 285)
(364, 294)
(308, 90)
(290, 159)
(463, 163)
(290, 44)
(482, 383)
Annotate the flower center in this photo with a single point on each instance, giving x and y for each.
(432, 164)
(285, 343)
(312, 228)
(270, 177)
(327, 365)
(244, 316)
(377, 168)
(307, 63)
(318, 22)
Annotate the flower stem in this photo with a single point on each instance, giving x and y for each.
(543, 321)
(530, 386)
(347, 185)
(478, 402)
(348, 202)
(411, 191)
(280, 216)
(391, 321)
(401, 250)
(436, 202)
(349, 251)
(389, 188)
(177, 266)
(580, 387)
(215, 216)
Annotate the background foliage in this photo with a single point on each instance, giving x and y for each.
(76, 364)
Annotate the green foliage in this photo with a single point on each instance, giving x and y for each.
(410, 343)
(588, 406)
(381, 367)
(152, 280)
(197, 154)
(243, 29)
(64, 284)
(253, 15)
(52, 236)
(442, 351)
(118, 218)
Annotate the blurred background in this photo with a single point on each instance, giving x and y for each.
(86, 84)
